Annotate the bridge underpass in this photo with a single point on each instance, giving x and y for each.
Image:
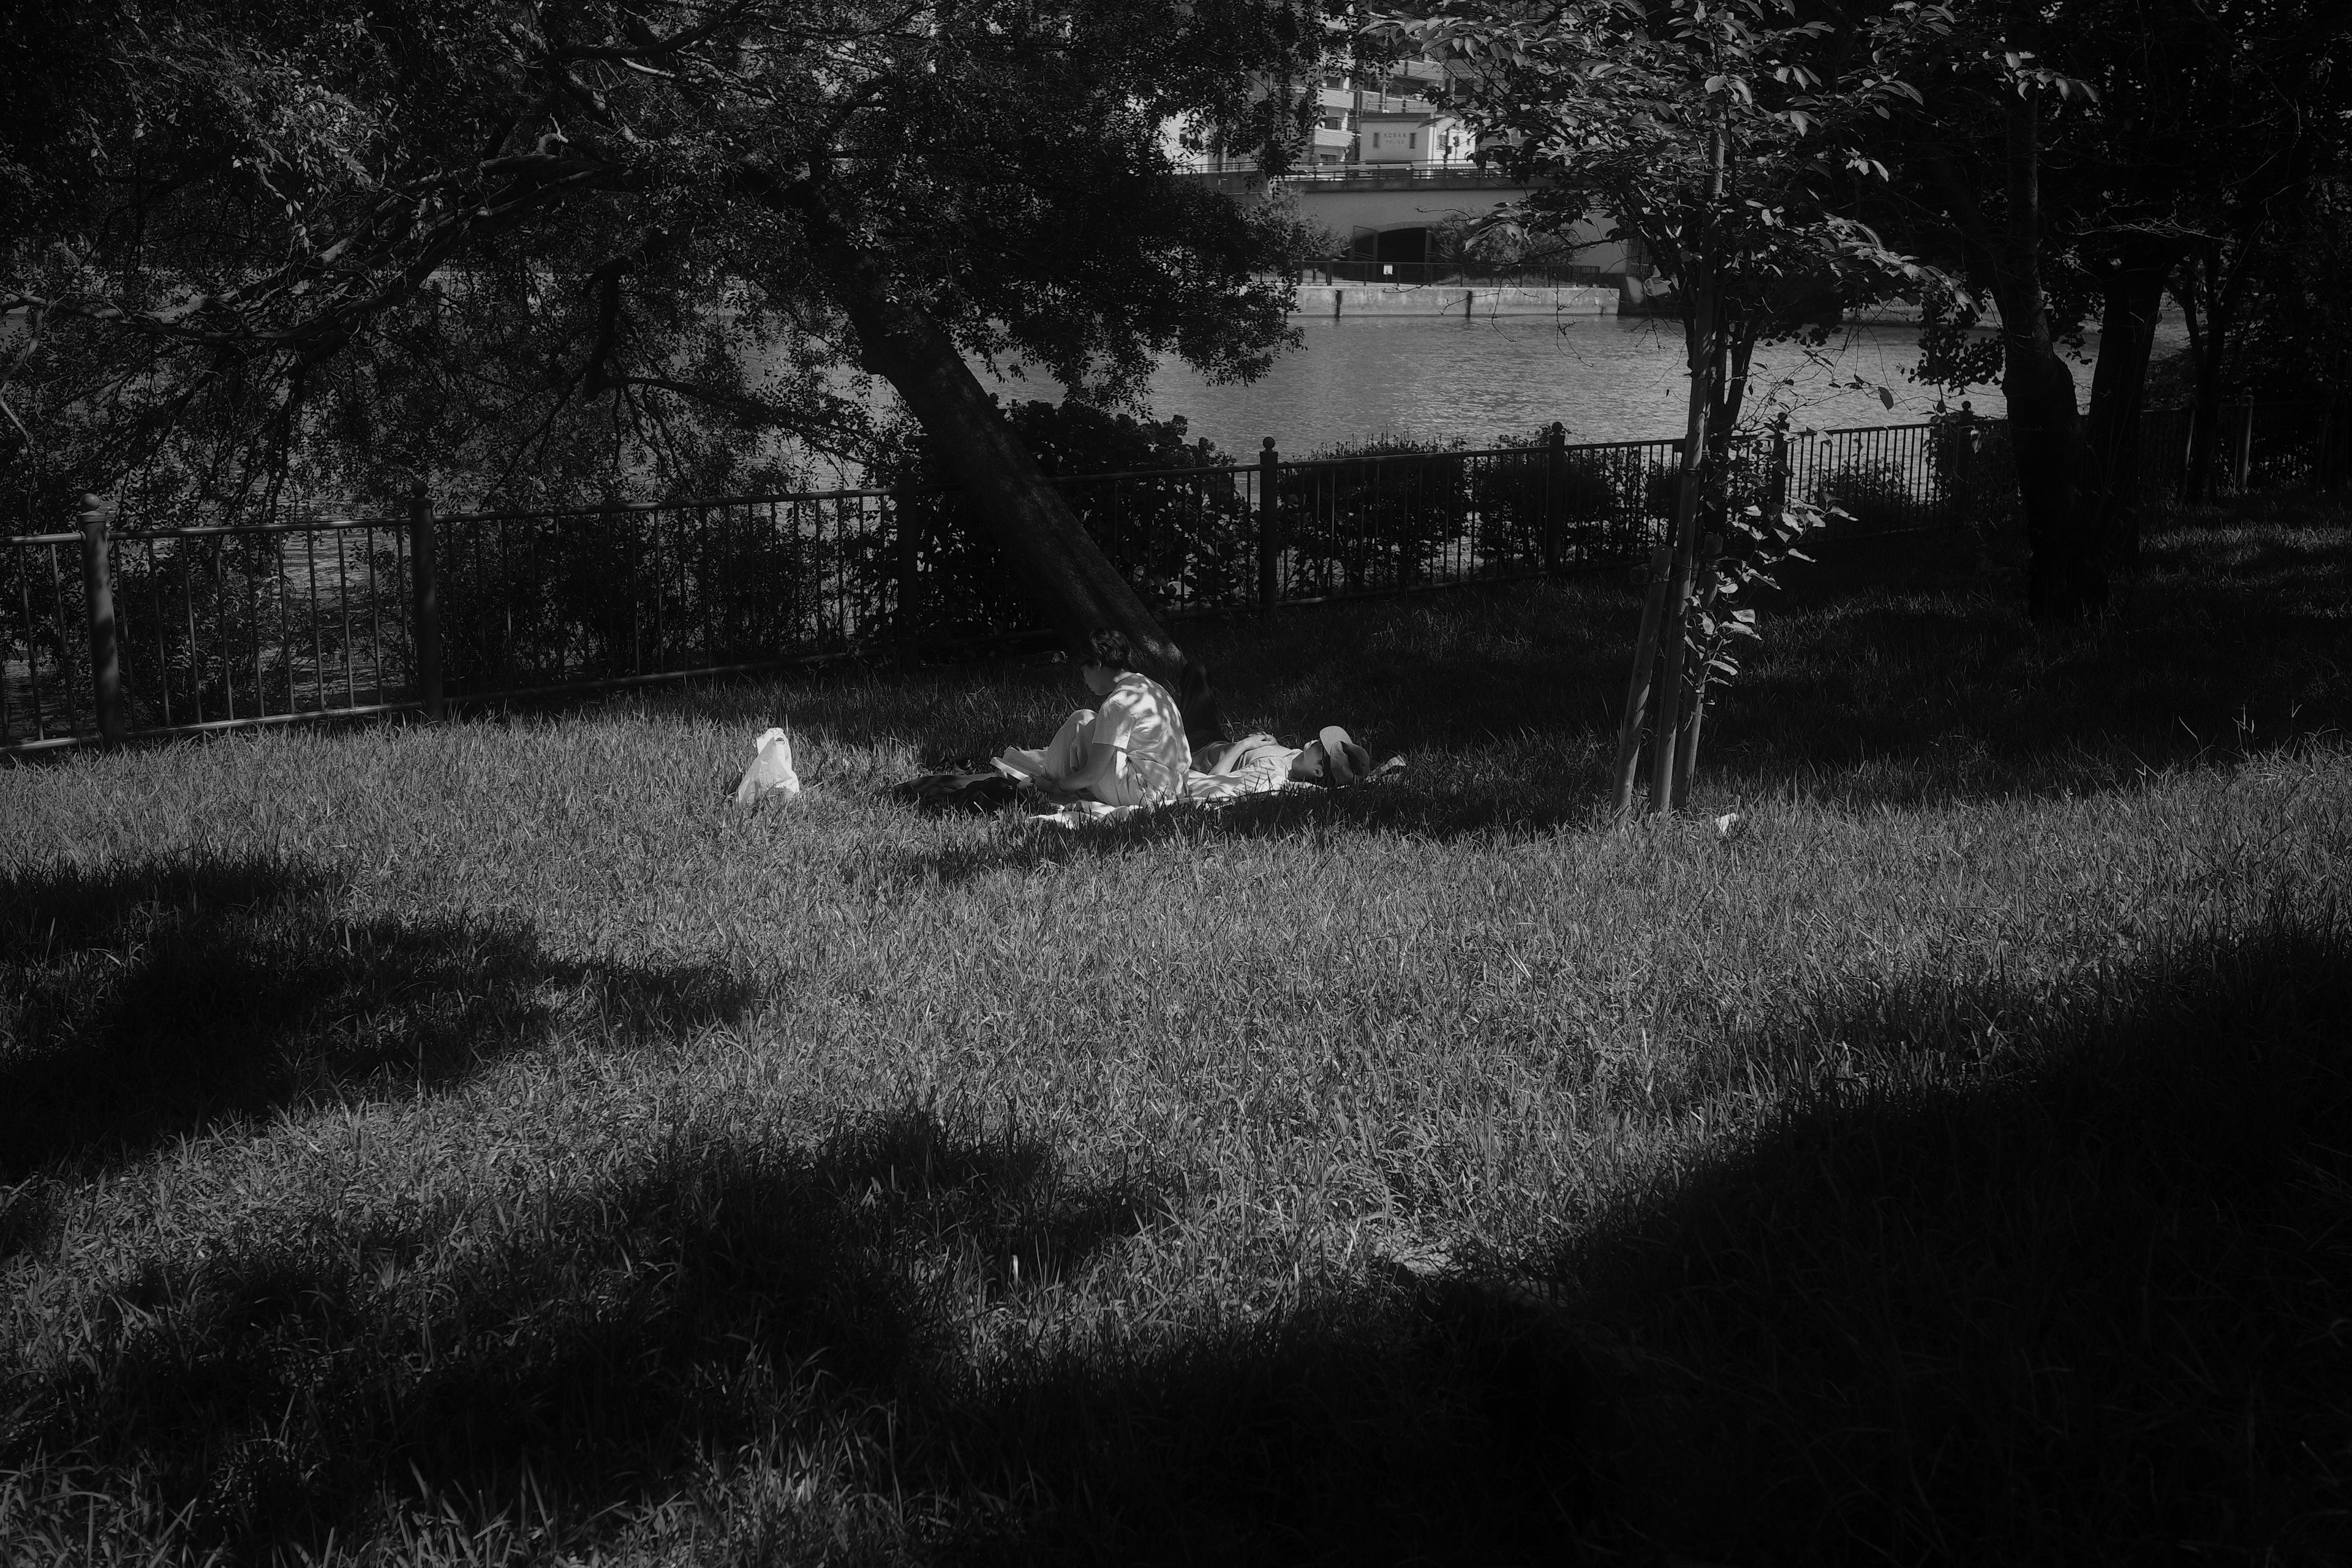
(1388, 215)
(1382, 224)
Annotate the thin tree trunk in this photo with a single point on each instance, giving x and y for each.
(1703, 337)
(2186, 289)
(1673, 625)
(2133, 293)
(2220, 285)
(1638, 680)
(1723, 422)
(1710, 551)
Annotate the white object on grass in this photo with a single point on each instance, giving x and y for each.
(1726, 823)
(770, 770)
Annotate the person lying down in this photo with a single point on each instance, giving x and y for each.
(1130, 749)
(1131, 753)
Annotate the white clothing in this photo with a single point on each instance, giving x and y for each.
(1139, 721)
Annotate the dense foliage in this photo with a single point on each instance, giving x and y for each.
(549, 250)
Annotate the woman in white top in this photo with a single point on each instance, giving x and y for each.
(1129, 749)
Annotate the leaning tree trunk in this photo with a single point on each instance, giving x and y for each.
(1064, 572)
(2133, 291)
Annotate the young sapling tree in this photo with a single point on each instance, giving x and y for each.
(1724, 136)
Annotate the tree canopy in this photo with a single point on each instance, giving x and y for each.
(549, 248)
(2065, 162)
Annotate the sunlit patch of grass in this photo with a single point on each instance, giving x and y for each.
(480, 1144)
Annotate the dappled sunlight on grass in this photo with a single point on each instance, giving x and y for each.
(481, 1143)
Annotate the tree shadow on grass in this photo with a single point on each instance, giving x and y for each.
(2095, 1311)
(1895, 672)
(813, 1306)
(141, 1003)
(2092, 1308)
(1310, 814)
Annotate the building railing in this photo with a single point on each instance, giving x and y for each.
(1459, 174)
(111, 632)
(1461, 273)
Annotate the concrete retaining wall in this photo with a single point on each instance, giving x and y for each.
(1440, 299)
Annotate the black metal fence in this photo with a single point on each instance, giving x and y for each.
(162, 630)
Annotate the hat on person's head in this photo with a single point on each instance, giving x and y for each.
(1349, 761)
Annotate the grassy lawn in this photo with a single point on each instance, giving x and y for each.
(478, 1145)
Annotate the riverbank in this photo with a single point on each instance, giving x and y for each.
(1353, 377)
(1339, 300)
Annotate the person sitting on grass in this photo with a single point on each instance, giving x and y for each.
(1129, 750)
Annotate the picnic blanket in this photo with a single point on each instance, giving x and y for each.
(1256, 764)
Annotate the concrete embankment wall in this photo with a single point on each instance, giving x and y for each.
(1345, 299)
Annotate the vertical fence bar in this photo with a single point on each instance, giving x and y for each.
(163, 629)
(97, 588)
(1269, 527)
(1555, 494)
(343, 612)
(425, 581)
(1777, 481)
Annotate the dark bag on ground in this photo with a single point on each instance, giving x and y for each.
(948, 792)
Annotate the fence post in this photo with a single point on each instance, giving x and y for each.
(98, 584)
(1777, 482)
(911, 587)
(2245, 446)
(1555, 493)
(423, 580)
(1269, 528)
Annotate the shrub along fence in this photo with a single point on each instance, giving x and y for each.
(109, 632)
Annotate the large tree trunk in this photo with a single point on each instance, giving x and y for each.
(1067, 576)
(1064, 572)
(2132, 292)
(2067, 575)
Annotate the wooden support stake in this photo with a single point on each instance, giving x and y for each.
(97, 588)
(1637, 683)
(425, 583)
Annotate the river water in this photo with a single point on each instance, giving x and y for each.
(1608, 378)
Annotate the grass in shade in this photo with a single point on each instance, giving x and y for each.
(476, 1144)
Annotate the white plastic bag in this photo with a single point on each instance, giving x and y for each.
(771, 770)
